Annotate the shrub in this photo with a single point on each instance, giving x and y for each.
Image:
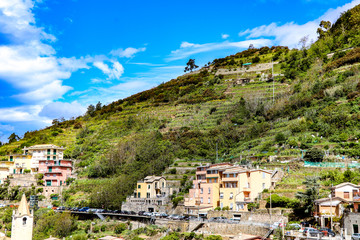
(314, 155)
(96, 229)
(120, 228)
(103, 228)
(172, 171)
(176, 200)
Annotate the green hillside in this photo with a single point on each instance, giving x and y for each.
(238, 110)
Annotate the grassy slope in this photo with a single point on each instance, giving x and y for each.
(317, 96)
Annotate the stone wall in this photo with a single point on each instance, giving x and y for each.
(260, 217)
(216, 228)
(349, 220)
(23, 180)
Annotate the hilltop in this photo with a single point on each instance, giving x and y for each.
(225, 109)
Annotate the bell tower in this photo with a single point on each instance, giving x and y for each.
(22, 222)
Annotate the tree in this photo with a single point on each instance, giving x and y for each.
(190, 65)
(251, 46)
(324, 27)
(314, 155)
(307, 197)
(280, 138)
(13, 138)
(98, 106)
(90, 110)
(255, 59)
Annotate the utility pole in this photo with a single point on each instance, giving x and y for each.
(272, 75)
(217, 156)
(270, 209)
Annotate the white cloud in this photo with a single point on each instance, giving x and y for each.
(225, 36)
(20, 114)
(289, 34)
(188, 49)
(29, 63)
(53, 90)
(62, 109)
(113, 73)
(127, 53)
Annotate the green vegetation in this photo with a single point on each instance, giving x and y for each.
(315, 107)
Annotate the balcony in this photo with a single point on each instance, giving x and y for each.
(229, 179)
(356, 198)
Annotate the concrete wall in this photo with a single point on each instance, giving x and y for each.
(260, 217)
(349, 220)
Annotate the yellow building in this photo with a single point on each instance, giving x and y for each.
(243, 186)
(21, 163)
(225, 185)
(150, 187)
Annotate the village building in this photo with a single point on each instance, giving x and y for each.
(151, 194)
(225, 185)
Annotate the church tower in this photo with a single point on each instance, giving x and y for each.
(22, 222)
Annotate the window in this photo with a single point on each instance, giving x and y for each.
(231, 195)
(221, 195)
(208, 199)
(148, 195)
(138, 194)
(24, 220)
(156, 185)
(201, 190)
(231, 206)
(148, 186)
(263, 185)
(221, 205)
(263, 175)
(210, 180)
(346, 195)
(215, 180)
(209, 190)
(163, 184)
(139, 186)
(201, 200)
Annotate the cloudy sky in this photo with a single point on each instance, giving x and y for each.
(59, 56)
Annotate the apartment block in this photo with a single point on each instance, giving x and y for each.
(226, 185)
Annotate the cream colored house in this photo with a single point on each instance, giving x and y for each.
(226, 185)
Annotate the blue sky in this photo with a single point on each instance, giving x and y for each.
(59, 56)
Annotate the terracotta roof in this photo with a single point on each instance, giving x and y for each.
(23, 206)
(344, 184)
(43, 146)
(152, 178)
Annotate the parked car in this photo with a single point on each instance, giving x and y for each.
(147, 214)
(294, 226)
(327, 232)
(141, 213)
(355, 236)
(163, 215)
(60, 208)
(313, 232)
(83, 209)
(132, 213)
(305, 229)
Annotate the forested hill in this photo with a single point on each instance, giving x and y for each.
(313, 102)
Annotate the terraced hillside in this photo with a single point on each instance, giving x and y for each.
(312, 101)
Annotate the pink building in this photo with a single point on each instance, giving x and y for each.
(55, 169)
